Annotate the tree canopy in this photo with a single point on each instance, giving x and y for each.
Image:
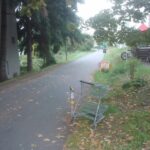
(113, 25)
(105, 25)
(46, 23)
(51, 22)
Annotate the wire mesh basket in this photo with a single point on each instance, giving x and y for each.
(88, 103)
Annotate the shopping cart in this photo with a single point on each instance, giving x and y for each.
(88, 102)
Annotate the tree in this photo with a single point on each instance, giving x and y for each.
(9, 61)
(136, 38)
(131, 11)
(49, 31)
(3, 25)
(25, 12)
(113, 25)
(42, 36)
(105, 26)
(7, 8)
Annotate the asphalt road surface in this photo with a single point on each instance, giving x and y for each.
(32, 111)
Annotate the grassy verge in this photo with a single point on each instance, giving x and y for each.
(126, 125)
(38, 62)
(61, 57)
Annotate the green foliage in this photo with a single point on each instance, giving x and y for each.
(122, 70)
(87, 44)
(31, 6)
(127, 122)
(48, 23)
(132, 65)
(61, 57)
(105, 25)
(135, 37)
(143, 71)
(136, 83)
(138, 126)
(37, 63)
(111, 109)
(113, 25)
(125, 9)
(119, 69)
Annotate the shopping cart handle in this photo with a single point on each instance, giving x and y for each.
(87, 82)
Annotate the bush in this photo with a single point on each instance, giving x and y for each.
(119, 69)
(137, 83)
(37, 63)
(133, 63)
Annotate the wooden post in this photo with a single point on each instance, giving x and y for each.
(66, 50)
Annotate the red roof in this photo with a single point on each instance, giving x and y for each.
(143, 27)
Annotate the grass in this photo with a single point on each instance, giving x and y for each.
(61, 57)
(126, 125)
(38, 63)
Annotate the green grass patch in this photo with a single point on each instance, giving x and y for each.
(111, 110)
(61, 56)
(60, 59)
(138, 126)
(37, 64)
(136, 83)
(126, 125)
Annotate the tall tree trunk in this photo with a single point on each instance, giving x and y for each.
(49, 59)
(3, 24)
(0, 20)
(44, 46)
(29, 45)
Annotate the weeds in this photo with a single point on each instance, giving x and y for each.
(137, 83)
(127, 122)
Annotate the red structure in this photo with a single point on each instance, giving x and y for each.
(143, 27)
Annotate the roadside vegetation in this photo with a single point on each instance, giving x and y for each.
(126, 125)
(43, 28)
(65, 54)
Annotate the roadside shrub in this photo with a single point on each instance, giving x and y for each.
(137, 83)
(37, 63)
(111, 109)
(133, 64)
(119, 69)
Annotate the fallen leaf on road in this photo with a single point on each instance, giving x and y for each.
(31, 100)
(19, 115)
(59, 136)
(39, 135)
(33, 145)
(37, 92)
(37, 103)
(53, 141)
(46, 140)
(60, 128)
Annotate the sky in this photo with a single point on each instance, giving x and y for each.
(90, 8)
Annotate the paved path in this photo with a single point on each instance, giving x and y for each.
(32, 112)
